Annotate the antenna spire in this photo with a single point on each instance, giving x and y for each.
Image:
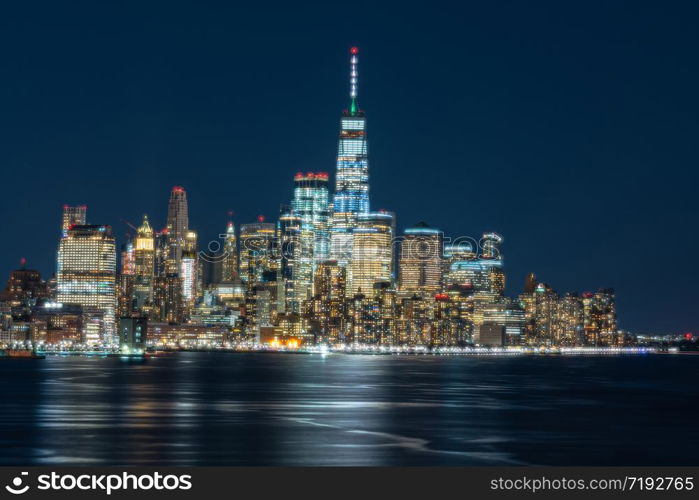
(354, 75)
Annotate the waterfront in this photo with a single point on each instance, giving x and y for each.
(312, 409)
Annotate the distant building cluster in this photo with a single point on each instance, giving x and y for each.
(328, 270)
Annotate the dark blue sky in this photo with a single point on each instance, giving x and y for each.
(569, 127)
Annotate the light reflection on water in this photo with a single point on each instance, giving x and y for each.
(276, 409)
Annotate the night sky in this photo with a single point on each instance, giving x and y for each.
(569, 128)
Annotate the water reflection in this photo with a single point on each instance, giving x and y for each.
(276, 409)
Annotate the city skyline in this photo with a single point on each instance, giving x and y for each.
(332, 274)
(578, 274)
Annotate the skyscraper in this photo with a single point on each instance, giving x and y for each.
(371, 252)
(162, 251)
(177, 228)
(229, 263)
(73, 216)
(295, 286)
(144, 264)
(310, 205)
(490, 246)
(87, 272)
(421, 259)
(599, 318)
(128, 257)
(189, 268)
(257, 244)
(352, 175)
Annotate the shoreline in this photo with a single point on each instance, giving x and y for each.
(443, 352)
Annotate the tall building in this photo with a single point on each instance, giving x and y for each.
(257, 250)
(162, 250)
(167, 299)
(327, 309)
(292, 275)
(310, 205)
(530, 284)
(189, 268)
(177, 228)
(87, 272)
(24, 285)
(568, 329)
(492, 258)
(372, 255)
(352, 176)
(128, 257)
(144, 264)
(229, 261)
(546, 310)
(490, 246)
(73, 216)
(599, 318)
(421, 259)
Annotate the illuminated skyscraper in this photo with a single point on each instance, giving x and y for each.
(312, 240)
(371, 252)
(352, 175)
(295, 285)
(546, 309)
(189, 268)
(491, 257)
(73, 216)
(128, 257)
(167, 298)
(87, 272)
(177, 228)
(599, 318)
(490, 246)
(421, 259)
(162, 250)
(257, 245)
(229, 264)
(144, 264)
(568, 329)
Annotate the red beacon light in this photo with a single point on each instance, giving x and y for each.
(177, 189)
(260, 218)
(688, 336)
(441, 296)
(354, 51)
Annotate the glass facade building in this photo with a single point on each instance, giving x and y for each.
(352, 174)
(372, 255)
(86, 272)
(310, 206)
